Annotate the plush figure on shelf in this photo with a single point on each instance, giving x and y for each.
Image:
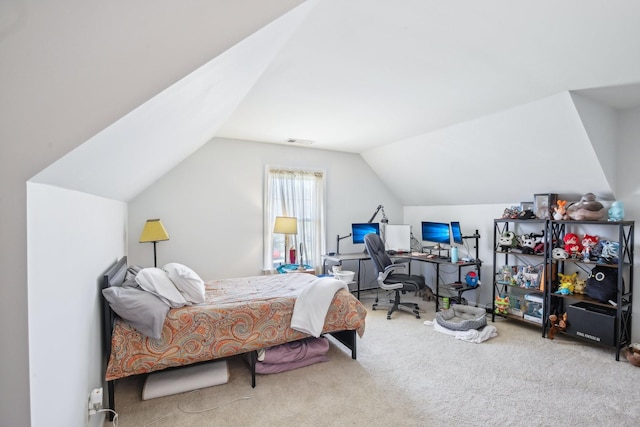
(538, 247)
(616, 211)
(610, 252)
(556, 323)
(579, 286)
(559, 253)
(507, 241)
(502, 304)
(567, 283)
(527, 243)
(587, 209)
(526, 214)
(588, 243)
(560, 211)
(572, 245)
(471, 278)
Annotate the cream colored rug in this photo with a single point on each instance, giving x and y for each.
(408, 374)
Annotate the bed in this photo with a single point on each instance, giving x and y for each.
(239, 316)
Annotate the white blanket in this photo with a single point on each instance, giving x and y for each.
(472, 335)
(312, 305)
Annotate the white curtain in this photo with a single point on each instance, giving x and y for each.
(300, 194)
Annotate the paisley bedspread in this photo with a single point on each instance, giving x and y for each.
(239, 315)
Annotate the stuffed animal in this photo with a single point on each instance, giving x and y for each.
(527, 243)
(610, 252)
(587, 209)
(579, 287)
(556, 323)
(572, 245)
(588, 243)
(616, 211)
(559, 253)
(507, 241)
(502, 304)
(567, 283)
(560, 211)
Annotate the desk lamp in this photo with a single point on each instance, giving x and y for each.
(285, 225)
(154, 231)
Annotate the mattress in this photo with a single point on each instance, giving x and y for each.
(239, 315)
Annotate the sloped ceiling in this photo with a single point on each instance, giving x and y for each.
(443, 99)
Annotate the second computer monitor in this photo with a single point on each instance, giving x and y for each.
(436, 232)
(456, 234)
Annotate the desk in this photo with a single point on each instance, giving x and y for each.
(437, 262)
(446, 261)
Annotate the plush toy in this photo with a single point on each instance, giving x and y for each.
(507, 241)
(556, 323)
(559, 253)
(527, 243)
(579, 286)
(567, 283)
(616, 211)
(560, 211)
(471, 278)
(587, 209)
(502, 304)
(572, 245)
(588, 243)
(610, 252)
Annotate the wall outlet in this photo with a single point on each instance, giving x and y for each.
(95, 400)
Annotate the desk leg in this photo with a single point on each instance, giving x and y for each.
(358, 281)
(437, 285)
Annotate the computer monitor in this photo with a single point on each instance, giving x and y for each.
(436, 232)
(358, 230)
(397, 237)
(456, 234)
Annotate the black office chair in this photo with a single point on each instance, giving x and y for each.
(388, 280)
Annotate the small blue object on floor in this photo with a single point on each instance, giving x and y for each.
(174, 381)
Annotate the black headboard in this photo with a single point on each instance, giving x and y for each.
(113, 277)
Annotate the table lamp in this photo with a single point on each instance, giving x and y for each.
(153, 231)
(285, 225)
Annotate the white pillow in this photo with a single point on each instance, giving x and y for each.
(156, 281)
(190, 285)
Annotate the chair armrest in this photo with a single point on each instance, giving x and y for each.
(383, 275)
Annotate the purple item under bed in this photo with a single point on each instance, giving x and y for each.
(293, 355)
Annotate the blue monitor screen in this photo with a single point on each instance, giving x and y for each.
(359, 230)
(456, 234)
(437, 232)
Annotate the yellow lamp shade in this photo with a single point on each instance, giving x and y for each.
(153, 231)
(286, 225)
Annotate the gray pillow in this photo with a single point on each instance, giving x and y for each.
(143, 310)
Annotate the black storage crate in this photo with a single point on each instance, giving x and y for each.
(592, 322)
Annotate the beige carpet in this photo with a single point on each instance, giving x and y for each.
(407, 374)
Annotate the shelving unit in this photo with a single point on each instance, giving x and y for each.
(588, 319)
(523, 282)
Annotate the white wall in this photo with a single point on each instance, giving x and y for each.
(72, 238)
(211, 205)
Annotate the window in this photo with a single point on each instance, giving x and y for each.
(300, 194)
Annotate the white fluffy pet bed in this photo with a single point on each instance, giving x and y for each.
(462, 318)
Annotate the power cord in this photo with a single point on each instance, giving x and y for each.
(192, 411)
(115, 415)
